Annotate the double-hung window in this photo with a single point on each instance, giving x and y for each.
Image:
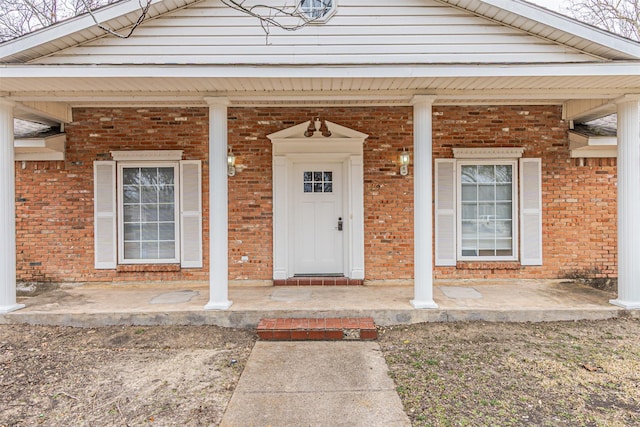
(148, 210)
(486, 210)
(148, 213)
(488, 207)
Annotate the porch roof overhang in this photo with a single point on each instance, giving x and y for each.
(321, 85)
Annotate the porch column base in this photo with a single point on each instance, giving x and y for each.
(9, 308)
(627, 305)
(218, 305)
(423, 304)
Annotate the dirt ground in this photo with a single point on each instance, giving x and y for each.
(456, 374)
(118, 376)
(544, 374)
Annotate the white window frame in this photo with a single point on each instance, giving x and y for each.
(514, 206)
(121, 165)
(320, 19)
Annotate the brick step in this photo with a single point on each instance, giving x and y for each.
(314, 329)
(319, 281)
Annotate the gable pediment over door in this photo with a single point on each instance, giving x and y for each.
(341, 139)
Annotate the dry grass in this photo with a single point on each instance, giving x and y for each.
(545, 374)
(118, 376)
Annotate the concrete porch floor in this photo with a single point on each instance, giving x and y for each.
(93, 305)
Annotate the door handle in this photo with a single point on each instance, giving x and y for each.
(340, 224)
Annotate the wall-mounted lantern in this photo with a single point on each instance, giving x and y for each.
(405, 158)
(231, 163)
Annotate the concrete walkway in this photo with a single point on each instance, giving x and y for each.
(315, 384)
(94, 305)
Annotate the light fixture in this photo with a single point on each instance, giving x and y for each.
(317, 125)
(311, 129)
(405, 158)
(231, 163)
(324, 129)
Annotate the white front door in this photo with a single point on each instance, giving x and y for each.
(318, 218)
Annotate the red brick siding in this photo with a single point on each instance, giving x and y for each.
(388, 197)
(55, 199)
(54, 205)
(579, 203)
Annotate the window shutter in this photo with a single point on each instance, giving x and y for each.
(530, 212)
(104, 216)
(445, 221)
(191, 213)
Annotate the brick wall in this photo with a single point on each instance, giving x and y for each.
(54, 206)
(55, 199)
(579, 202)
(387, 195)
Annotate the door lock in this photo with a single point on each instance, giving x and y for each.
(340, 224)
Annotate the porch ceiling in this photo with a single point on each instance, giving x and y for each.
(306, 86)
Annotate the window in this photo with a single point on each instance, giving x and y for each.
(318, 182)
(486, 210)
(147, 209)
(317, 10)
(147, 203)
(488, 207)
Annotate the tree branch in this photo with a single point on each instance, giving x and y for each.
(144, 10)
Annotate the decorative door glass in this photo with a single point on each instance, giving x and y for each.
(318, 182)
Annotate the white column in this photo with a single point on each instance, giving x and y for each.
(422, 201)
(7, 211)
(628, 202)
(218, 206)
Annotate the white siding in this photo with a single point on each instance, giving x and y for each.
(361, 32)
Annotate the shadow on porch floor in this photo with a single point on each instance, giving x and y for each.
(183, 303)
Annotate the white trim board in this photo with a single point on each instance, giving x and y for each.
(147, 155)
(291, 146)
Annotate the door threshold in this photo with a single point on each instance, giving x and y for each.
(319, 275)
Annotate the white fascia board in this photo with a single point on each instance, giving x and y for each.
(40, 149)
(583, 146)
(53, 142)
(568, 25)
(69, 26)
(630, 68)
(595, 152)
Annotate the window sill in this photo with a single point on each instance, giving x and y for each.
(487, 265)
(143, 268)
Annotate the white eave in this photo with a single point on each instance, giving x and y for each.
(584, 146)
(519, 14)
(47, 148)
(554, 26)
(81, 29)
